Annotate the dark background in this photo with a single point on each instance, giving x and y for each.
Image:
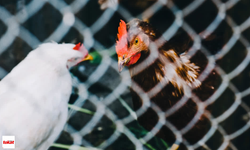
(44, 22)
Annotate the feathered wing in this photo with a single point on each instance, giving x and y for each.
(31, 126)
(34, 111)
(22, 120)
(179, 71)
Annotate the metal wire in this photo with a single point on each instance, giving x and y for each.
(14, 24)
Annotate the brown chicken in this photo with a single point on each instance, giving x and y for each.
(175, 73)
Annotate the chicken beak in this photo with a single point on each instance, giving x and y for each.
(88, 57)
(122, 63)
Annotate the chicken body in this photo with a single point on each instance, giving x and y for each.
(177, 70)
(35, 94)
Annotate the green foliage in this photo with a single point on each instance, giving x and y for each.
(154, 144)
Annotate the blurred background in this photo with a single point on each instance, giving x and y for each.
(100, 109)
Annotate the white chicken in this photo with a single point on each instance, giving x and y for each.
(35, 94)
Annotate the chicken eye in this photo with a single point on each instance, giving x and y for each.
(136, 41)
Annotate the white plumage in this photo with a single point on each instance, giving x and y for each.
(35, 94)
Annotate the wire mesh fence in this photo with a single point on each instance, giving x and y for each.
(101, 114)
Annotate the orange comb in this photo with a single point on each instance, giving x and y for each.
(77, 47)
(121, 43)
(122, 30)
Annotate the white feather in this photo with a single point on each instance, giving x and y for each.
(34, 97)
(108, 4)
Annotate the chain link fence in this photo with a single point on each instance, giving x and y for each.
(100, 108)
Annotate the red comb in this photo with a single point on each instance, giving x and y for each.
(77, 47)
(121, 44)
(122, 30)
